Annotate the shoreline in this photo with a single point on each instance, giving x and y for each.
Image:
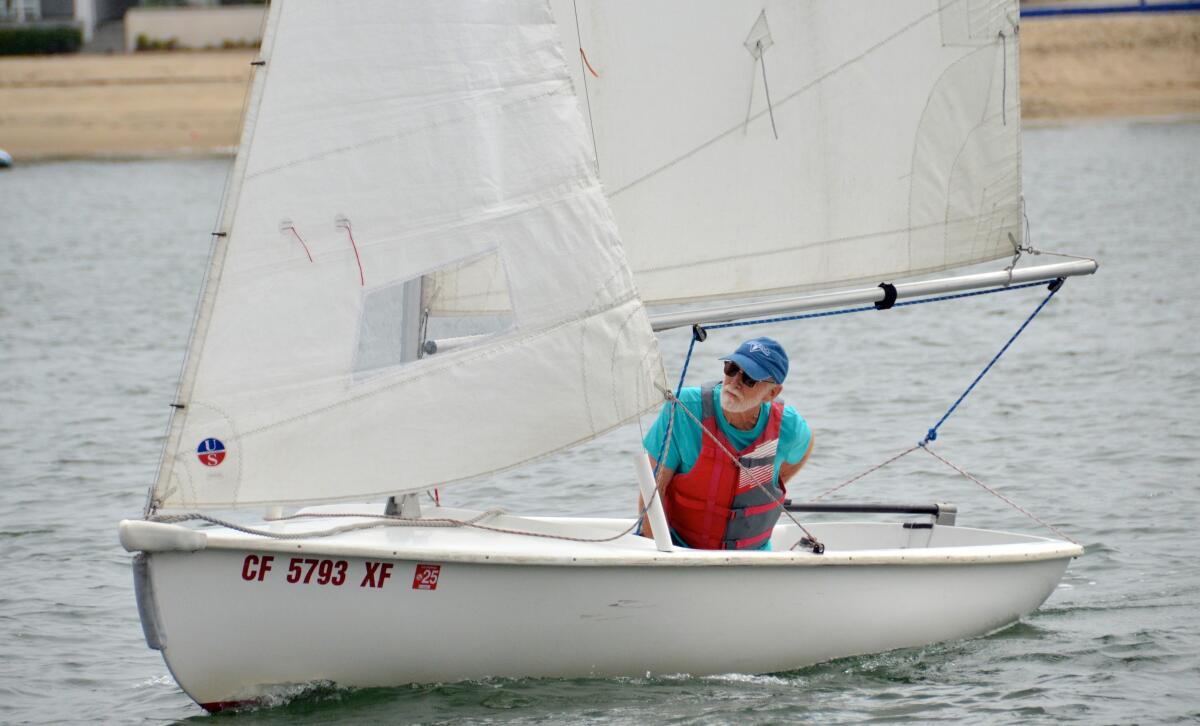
(228, 152)
(188, 104)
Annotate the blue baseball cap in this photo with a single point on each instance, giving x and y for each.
(761, 358)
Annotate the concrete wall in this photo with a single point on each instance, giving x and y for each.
(195, 27)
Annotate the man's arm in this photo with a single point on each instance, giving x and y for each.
(661, 481)
(787, 471)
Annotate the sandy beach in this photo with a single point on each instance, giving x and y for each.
(1107, 66)
(144, 104)
(180, 103)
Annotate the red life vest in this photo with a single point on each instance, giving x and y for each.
(716, 505)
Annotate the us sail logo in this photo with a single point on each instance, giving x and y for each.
(211, 452)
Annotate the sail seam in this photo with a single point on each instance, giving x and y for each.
(357, 496)
(818, 243)
(587, 97)
(479, 112)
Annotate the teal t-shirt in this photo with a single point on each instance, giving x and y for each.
(794, 434)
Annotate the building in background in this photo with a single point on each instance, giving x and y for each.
(84, 14)
(191, 23)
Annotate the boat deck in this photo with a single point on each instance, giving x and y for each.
(501, 538)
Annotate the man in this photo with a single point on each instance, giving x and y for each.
(711, 502)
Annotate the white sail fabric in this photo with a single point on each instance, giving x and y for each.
(890, 146)
(391, 148)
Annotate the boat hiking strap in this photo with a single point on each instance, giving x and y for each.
(699, 334)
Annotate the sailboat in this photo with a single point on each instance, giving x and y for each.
(444, 252)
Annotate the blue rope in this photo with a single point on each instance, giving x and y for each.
(932, 434)
(686, 360)
(662, 450)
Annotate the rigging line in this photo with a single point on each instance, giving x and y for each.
(762, 60)
(786, 248)
(932, 434)
(658, 486)
(1029, 248)
(1008, 501)
(1017, 250)
(1025, 216)
(668, 438)
(1029, 240)
(875, 468)
(587, 96)
(799, 91)
(816, 543)
(384, 520)
(672, 402)
(1004, 81)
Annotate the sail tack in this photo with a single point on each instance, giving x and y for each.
(407, 166)
(764, 147)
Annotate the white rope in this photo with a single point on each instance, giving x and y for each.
(378, 520)
(875, 468)
(961, 471)
(767, 89)
(1004, 82)
(1003, 498)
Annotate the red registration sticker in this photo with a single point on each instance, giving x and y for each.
(426, 577)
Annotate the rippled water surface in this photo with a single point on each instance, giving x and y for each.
(1089, 421)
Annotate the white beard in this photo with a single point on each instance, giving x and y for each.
(732, 404)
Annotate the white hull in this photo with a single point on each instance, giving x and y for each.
(616, 609)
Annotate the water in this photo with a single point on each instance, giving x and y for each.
(1089, 421)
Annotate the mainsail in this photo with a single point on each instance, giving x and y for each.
(405, 167)
(750, 148)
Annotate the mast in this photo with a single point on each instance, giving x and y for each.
(412, 334)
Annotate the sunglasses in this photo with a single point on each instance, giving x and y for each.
(733, 369)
